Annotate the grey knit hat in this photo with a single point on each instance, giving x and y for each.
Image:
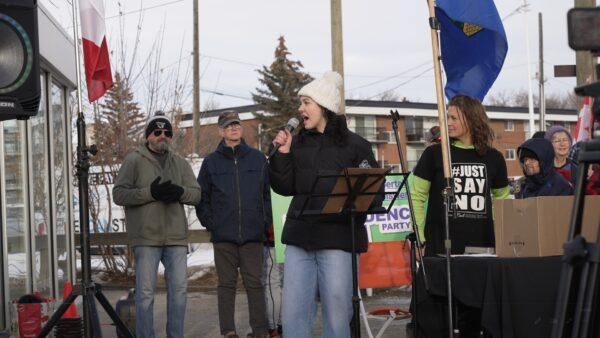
(557, 129)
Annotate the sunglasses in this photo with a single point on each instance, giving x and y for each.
(233, 125)
(158, 132)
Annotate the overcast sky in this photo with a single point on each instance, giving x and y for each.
(382, 38)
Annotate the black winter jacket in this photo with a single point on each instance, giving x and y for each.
(236, 201)
(293, 174)
(548, 182)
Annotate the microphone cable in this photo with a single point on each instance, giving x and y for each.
(270, 260)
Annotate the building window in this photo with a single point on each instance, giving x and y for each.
(413, 154)
(414, 129)
(389, 136)
(59, 183)
(364, 126)
(40, 199)
(15, 207)
(509, 125)
(510, 154)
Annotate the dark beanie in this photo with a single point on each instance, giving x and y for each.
(527, 153)
(158, 121)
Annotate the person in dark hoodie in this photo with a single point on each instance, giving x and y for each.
(537, 160)
(236, 209)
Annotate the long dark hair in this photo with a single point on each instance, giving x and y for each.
(476, 121)
(336, 127)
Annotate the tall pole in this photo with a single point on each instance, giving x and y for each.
(82, 173)
(542, 98)
(446, 160)
(196, 106)
(337, 47)
(584, 60)
(85, 287)
(529, 86)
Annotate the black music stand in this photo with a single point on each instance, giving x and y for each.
(353, 195)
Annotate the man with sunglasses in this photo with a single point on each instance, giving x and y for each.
(236, 209)
(153, 184)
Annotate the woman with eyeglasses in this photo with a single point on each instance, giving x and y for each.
(561, 142)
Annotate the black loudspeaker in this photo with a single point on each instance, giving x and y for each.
(19, 59)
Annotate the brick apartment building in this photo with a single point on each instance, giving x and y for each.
(371, 120)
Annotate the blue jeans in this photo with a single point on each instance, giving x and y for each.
(174, 258)
(330, 273)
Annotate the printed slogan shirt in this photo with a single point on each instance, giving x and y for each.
(476, 179)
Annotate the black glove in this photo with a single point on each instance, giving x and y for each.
(159, 190)
(173, 193)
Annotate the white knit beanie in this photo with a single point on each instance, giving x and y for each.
(325, 91)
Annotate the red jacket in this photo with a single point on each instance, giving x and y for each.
(593, 186)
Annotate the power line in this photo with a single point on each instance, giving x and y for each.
(391, 77)
(132, 12)
(225, 94)
(258, 65)
(231, 60)
(143, 9)
(403, 83)
(396, 87)
(516, 10)
(176, 62)
(523, 7)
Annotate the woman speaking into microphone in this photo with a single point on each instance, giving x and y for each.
(317, 257)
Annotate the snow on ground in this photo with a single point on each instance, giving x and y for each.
(17, 265)
(201, 258)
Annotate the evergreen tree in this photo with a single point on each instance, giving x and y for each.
(120, 123)
(278, 96)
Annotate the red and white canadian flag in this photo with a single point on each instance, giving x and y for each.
(584, 121)
(98, 76)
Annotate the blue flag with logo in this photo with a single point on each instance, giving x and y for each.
(473, 45)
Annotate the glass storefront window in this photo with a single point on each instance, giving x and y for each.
(59, 175)
(40, 213)
(15, 207)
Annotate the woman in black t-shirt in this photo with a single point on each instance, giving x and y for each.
(479, 172)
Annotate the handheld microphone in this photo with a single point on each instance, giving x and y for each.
(291, 125)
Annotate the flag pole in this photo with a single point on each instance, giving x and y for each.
(85, 287)
(77, 56)
(447, 193)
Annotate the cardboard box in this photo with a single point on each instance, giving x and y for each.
(537, 227)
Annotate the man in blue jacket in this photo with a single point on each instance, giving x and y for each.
(236, 209)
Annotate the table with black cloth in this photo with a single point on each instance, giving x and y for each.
(515, 297)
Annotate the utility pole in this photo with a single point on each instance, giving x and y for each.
(196, 104)
(585, 63)
(337, 46)
(530, 92)
(542, 98)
